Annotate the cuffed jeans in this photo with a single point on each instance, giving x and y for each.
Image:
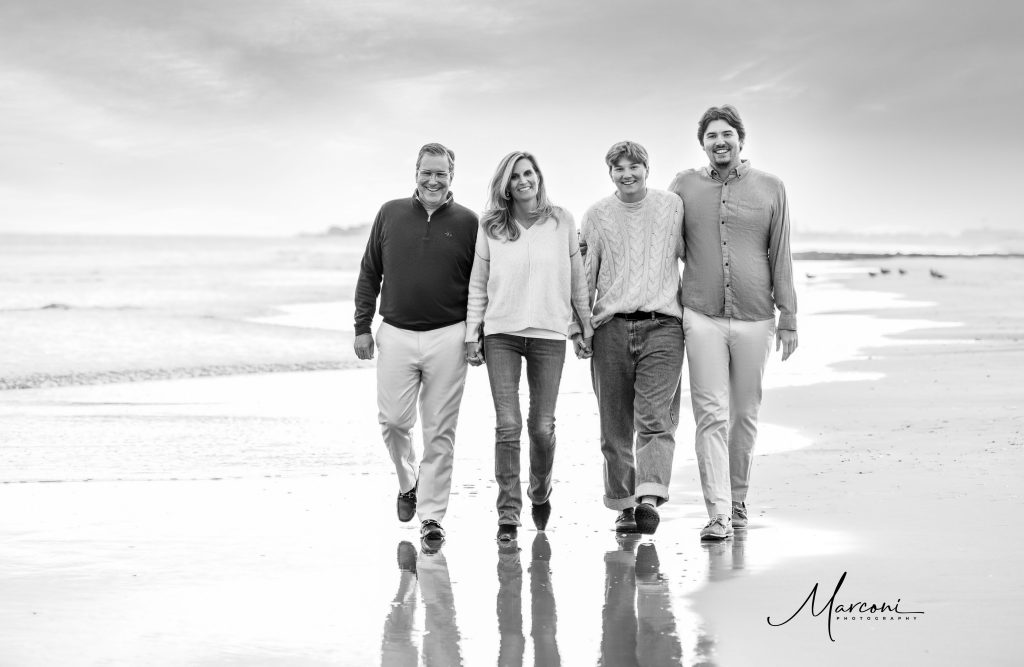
(430, 366)
(727, 360)
(504, 355)
(636, 370)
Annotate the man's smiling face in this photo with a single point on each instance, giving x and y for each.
(722, 144)
(433, 177)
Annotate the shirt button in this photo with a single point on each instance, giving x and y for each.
(724, 243)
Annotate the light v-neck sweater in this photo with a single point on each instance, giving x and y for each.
(536, 282)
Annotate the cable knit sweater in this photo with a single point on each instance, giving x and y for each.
(531, 285)
(632, 255)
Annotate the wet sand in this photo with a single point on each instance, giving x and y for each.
(250, 519)
(922, 466)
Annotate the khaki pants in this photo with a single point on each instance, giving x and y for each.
(727, 360)
(429, 366)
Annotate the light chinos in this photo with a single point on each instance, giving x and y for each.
(636, 371)
(429, 366)
(727, 361)
(505, 354)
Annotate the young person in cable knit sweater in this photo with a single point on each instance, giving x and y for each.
(633, 243)
(527, 292)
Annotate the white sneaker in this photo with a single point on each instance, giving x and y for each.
(718, 528)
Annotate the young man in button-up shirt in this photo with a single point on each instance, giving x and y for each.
(738, 271)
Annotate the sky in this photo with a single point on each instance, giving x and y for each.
(278, 117)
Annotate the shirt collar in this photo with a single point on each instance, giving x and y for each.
(448, 200)
(740, 171)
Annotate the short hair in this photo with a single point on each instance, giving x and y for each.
(437, 149)
(634, 151)
(726, 112)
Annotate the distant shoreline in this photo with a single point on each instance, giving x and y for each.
(85, 378)
(359, 232)
(819, 255)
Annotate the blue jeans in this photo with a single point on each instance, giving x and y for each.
(544, 360)
(636, 370)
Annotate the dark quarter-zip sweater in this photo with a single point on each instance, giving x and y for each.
(419, 264)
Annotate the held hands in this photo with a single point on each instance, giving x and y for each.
(787, 340)
(474, 353)
(582, 346)
(363, 345)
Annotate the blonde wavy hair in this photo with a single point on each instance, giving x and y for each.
(497, 219)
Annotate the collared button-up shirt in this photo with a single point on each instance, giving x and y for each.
(736, 229)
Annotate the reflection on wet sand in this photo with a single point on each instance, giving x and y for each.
(725, 558)
(441, 633)
(644, 619)
(638, 626)
(397, 647)
(510, 605)
(543, 622)
(542, 609)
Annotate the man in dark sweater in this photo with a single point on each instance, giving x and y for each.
(421, 247)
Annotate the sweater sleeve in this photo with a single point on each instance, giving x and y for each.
(476, 304)
(676, 188)
(578, 284)
(681, 239)
(591, 256)
(371, 272)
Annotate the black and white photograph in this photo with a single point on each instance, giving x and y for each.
(578, 332)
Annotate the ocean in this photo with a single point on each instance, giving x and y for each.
(85, 309)
(99, 309)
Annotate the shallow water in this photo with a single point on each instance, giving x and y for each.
(249, 519)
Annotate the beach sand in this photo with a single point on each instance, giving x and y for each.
(921, 466)
(250, 519)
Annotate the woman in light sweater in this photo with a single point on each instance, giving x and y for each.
(527, 292)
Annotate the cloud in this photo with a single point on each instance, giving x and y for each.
(245, 106)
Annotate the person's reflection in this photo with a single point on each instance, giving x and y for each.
(542, 605)
(441, 633)
(510, 605)
(396, 646)
(638, 626)
(726, 558)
